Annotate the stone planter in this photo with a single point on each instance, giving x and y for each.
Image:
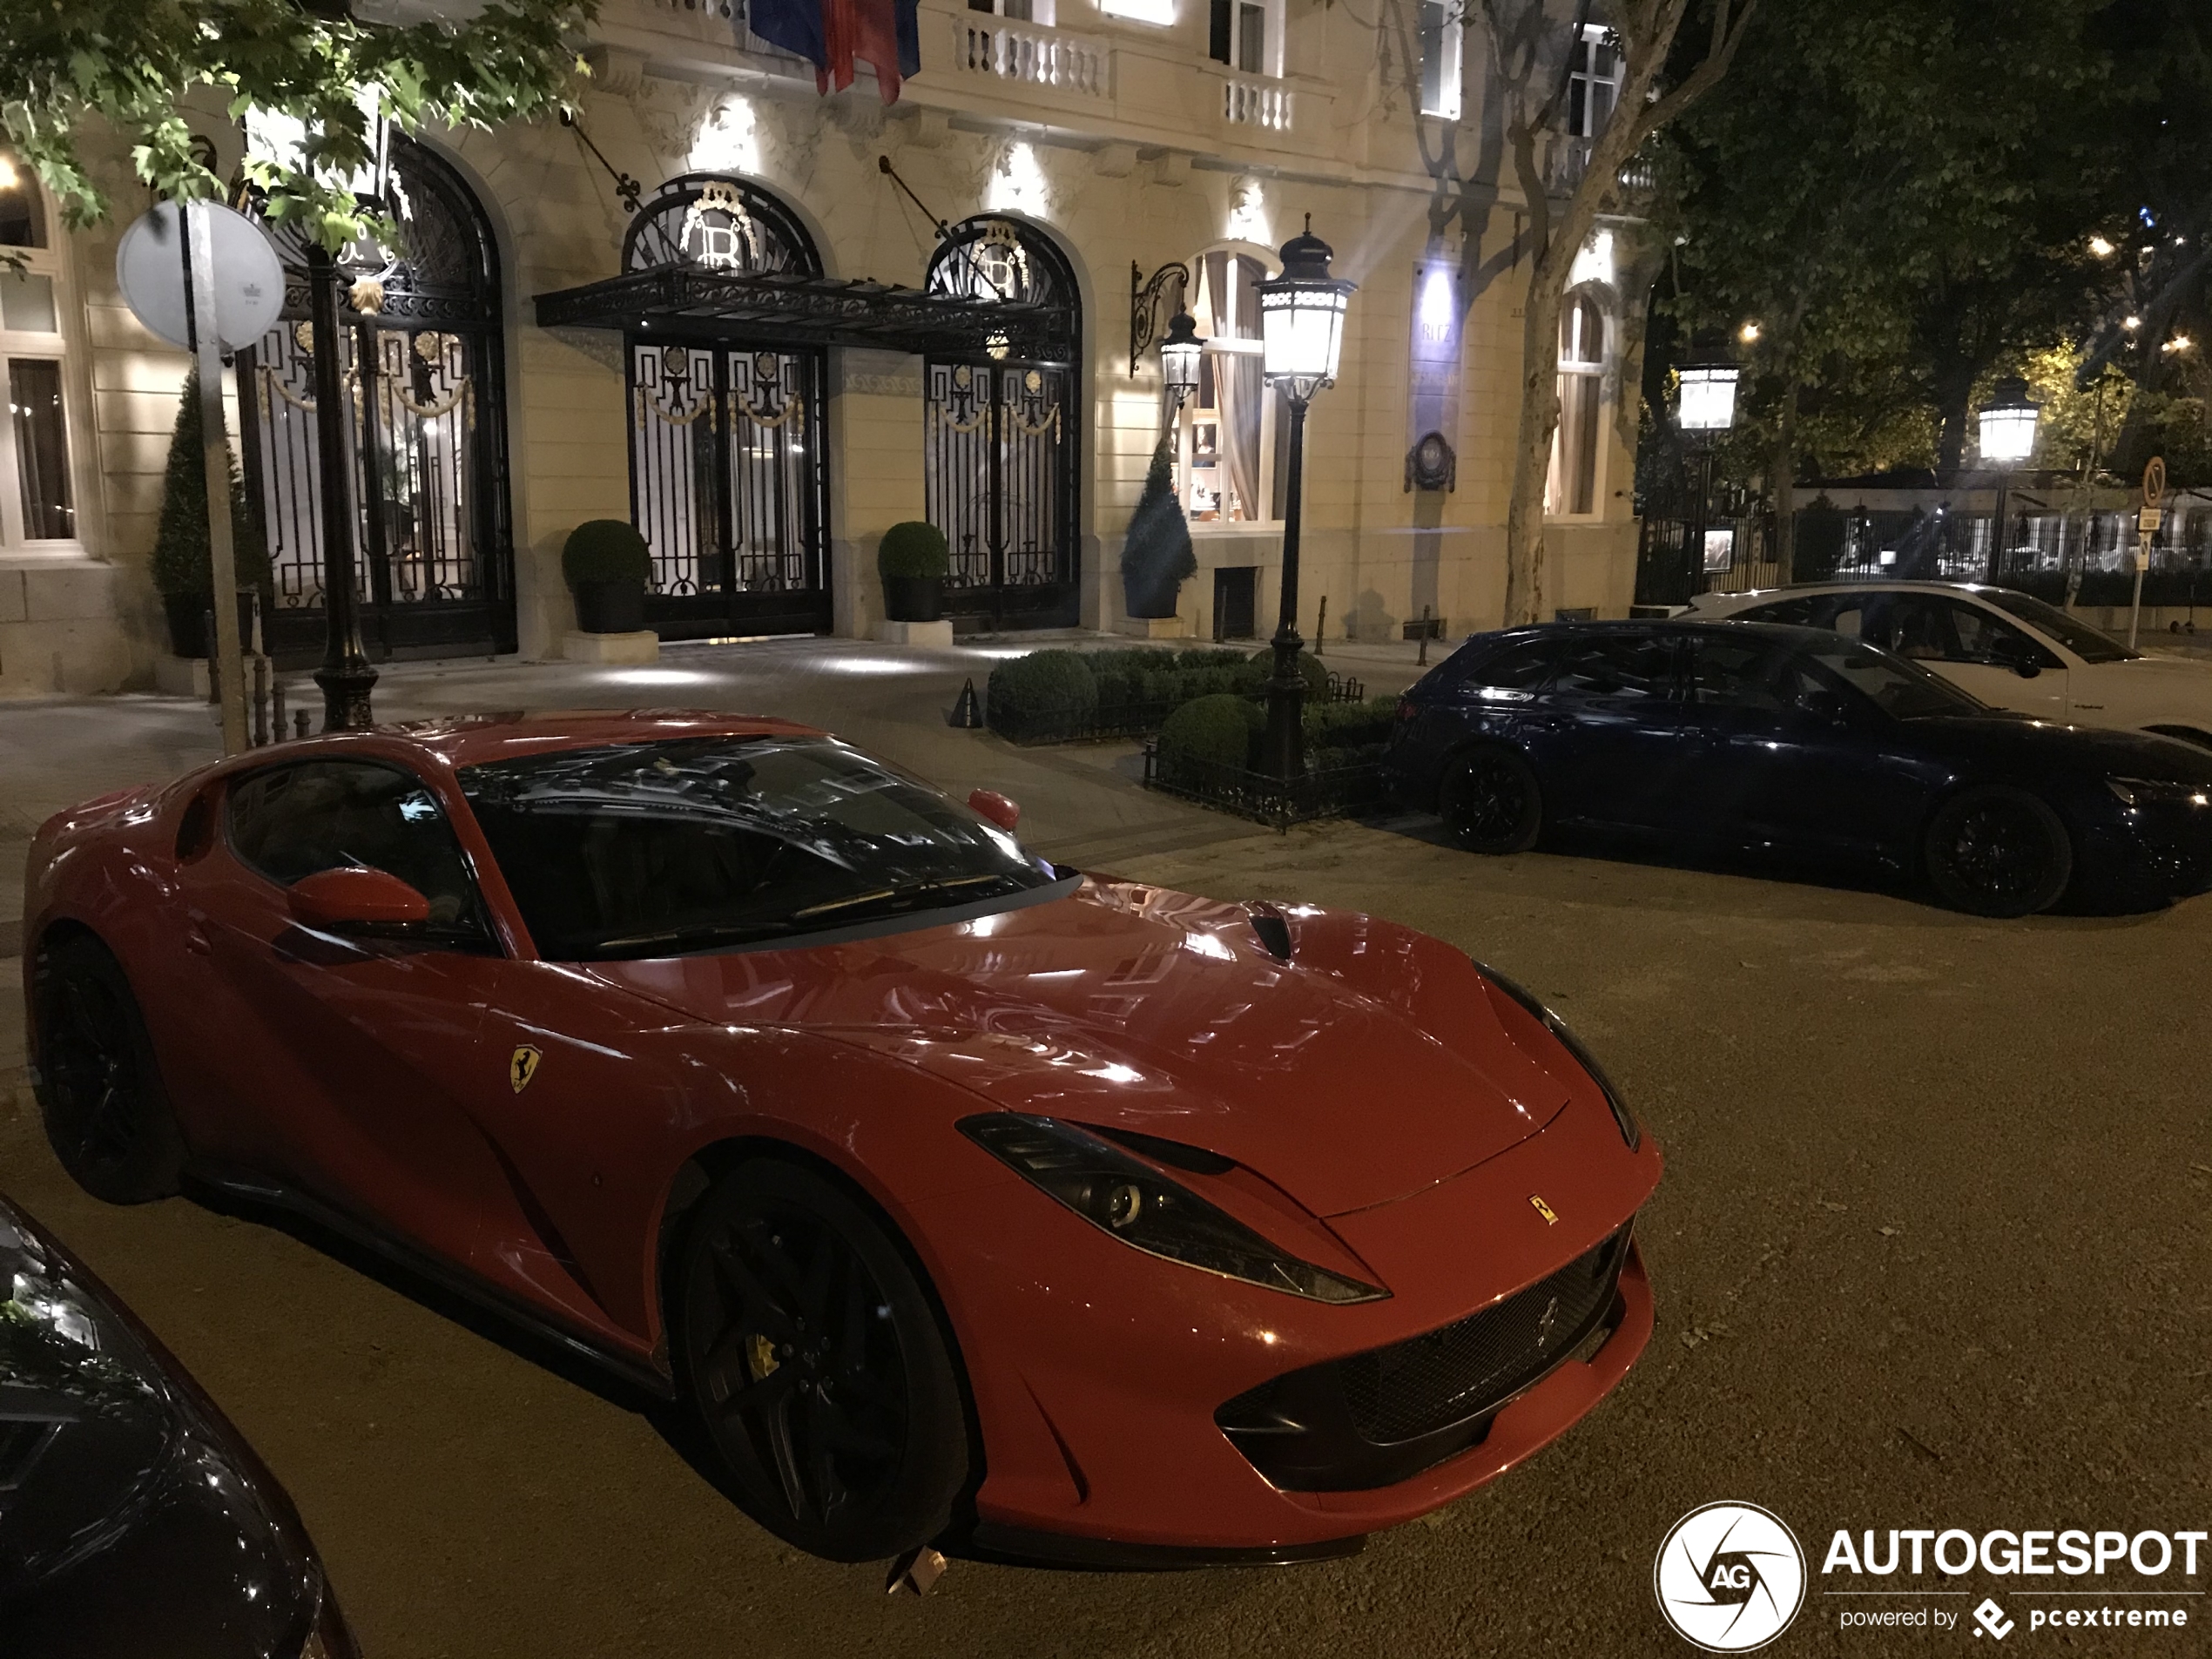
(609, 607)
(189, 615)
(913, 598)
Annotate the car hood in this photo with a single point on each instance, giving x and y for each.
(2046, 742)
(1372, 1064)
(131, 1518)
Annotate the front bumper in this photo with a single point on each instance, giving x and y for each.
(1097, 1372)
(2158, 850)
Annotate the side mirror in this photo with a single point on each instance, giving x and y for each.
(2026, 671)
(989, 804)
(352, 896)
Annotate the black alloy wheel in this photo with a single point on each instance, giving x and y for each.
(107, 1116)
(1998, 851)
(1490, 801)
(816, 1363)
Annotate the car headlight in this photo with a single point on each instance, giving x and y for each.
(2137, 791)
(1128, 1198)
(1630, 1131)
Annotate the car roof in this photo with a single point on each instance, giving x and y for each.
(1867, 584)
(1784, 632)
(471, 740)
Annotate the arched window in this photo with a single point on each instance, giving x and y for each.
(420, 349)
(38, 504)
(1228, 434)
(1001, 435)
(1572, 490)
(728, 472)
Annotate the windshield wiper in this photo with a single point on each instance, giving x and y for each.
(909, 890)
(683, 939)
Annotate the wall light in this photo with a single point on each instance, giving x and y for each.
(2099, 246)
(1748, 333)
(727, 139)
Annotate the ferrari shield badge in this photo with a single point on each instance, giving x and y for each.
(522, 1067)
(1535, 1202)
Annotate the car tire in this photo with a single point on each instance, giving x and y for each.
(1996, 851)
(1490, 801)
(107, 1115)
(818, 1367)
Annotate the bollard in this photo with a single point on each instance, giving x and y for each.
(215, 659)
(1421, 661)
(298, 723)
(1321, 626)
(260, 701)
(276, 704)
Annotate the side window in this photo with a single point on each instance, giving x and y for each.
(1920, 628)
(1730, 675)
(1984, 638)
(1618, 667)
(1523, 666)
(290, 821)
(1796, 611)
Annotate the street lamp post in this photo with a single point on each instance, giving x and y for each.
(346, 675)
(1705, 409)
(2008, 438)
(1301, 322)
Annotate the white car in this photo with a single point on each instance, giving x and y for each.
(2009, 649)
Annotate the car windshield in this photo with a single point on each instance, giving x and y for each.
(1900, 689)
(2077, 636)
(661, 849)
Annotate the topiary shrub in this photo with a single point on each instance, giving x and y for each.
(1259, 668)
(1035, 693)
(1209, 731)
(1342, 733)
(605, 549)
(1156, 557)
(181, 560)
(913, 549)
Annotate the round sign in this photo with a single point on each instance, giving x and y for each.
(249, 279)
(2155, 480)
(1729, 1577)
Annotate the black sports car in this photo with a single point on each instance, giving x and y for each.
(133, 1519)
(1802, 741)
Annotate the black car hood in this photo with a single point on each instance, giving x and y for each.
(133, 1519)
(2123, 754)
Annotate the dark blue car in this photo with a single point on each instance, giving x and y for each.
(1799, 741)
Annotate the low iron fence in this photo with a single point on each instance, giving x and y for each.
(1076, 723)
(1321, 791)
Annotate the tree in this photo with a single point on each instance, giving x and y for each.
(180, 554)
(66, 62)
(1532, 61)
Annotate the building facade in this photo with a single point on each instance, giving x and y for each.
(765, 325)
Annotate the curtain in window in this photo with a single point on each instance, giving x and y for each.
(1572, 487)
(1229, 310)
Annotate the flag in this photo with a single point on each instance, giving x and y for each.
(832, 35)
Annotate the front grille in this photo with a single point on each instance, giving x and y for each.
(1419, 1386)
(1375, 1419)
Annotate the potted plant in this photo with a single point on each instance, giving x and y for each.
(606, 564)
(182, 572)
(912, 558)
(1156, 557)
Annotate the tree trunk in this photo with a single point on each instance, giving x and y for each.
(1532, 460)
(1782, 477)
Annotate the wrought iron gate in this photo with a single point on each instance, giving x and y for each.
(996, 448)
(999, 438)
(425, 438)
(728, 488)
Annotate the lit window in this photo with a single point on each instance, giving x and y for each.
(38, 504)
(1228, 436)
(1238, 34)
(1594, 82)
(1571, 490)
(1440, 32)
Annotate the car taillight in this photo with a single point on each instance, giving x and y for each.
(1408, 708)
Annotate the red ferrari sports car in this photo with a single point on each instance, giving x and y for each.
(966, 1198)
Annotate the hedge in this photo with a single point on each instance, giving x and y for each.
(1039, 691)
(913, 549)
(605, 549)
(1223, 730)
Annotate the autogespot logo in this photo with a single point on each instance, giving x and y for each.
(1729, 1577)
